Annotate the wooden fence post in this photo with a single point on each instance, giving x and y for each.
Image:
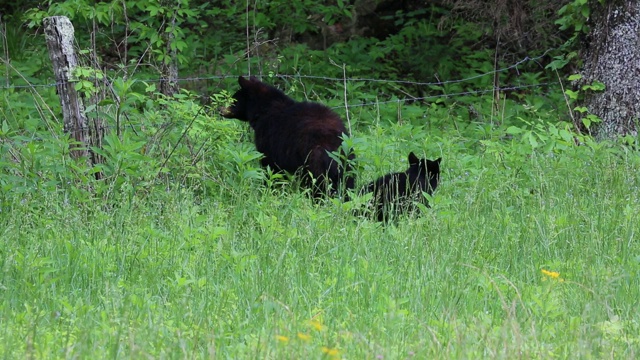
(59, 35)
(169, 69)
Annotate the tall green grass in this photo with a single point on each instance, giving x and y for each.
(255, 272)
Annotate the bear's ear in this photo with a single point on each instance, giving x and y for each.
(251, 83)
(438, 160)
(242, 81)
(413, 159)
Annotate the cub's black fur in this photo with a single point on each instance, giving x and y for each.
(395, 193)
(293, 136)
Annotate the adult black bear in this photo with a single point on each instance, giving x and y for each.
(293, 136)
(394, 193)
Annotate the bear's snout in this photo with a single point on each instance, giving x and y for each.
(226, 111)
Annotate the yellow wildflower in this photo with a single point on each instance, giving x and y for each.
(304, 337)
(331, 352)
(316, 325)
(282, 339)
(551, 274)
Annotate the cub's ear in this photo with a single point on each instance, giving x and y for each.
(438, 160)
(413, 159)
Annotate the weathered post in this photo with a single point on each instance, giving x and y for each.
(59, 35)
(169, 76)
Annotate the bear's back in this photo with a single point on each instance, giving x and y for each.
(288, 133)
(301, 117)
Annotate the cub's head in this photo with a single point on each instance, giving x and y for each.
(429, 169)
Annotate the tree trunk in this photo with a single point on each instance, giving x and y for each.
(612, 57)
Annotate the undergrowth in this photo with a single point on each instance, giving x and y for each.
(529, 248)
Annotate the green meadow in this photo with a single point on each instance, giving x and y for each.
(529, 250)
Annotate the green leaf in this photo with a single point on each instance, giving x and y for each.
(532, 140)
(565, 135)
(594, 118)
(573, 95)
(586, 12)
(595, 86)
(106, 102)
(574, 77)
(559, 63)
(513, 130)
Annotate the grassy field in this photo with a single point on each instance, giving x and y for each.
(525, 253)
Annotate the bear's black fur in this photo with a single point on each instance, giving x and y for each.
(293, 136)
(395, 193)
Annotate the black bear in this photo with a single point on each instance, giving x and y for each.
(394, 193)
(293, 136)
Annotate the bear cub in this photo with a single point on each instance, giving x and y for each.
(293, 136)
(395, 193)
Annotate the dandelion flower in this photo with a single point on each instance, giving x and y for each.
(551, 275)
(316, 325)
(331, 352)
(304, 337)
(282, 339)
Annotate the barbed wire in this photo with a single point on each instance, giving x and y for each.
(156, 80)
(437, 83)
(449, 95)
(315, 77)
(475, 92)
(490, 89)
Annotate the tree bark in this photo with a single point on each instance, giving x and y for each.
(169, 76)
(612, 57)
(59, 31)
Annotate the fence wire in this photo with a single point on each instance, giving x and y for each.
(357, 79)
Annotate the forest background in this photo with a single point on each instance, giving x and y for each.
(172, 242)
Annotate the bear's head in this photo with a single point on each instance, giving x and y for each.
(253, 98)
(238, 109)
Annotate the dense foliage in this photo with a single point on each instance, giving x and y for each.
(186, 247)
